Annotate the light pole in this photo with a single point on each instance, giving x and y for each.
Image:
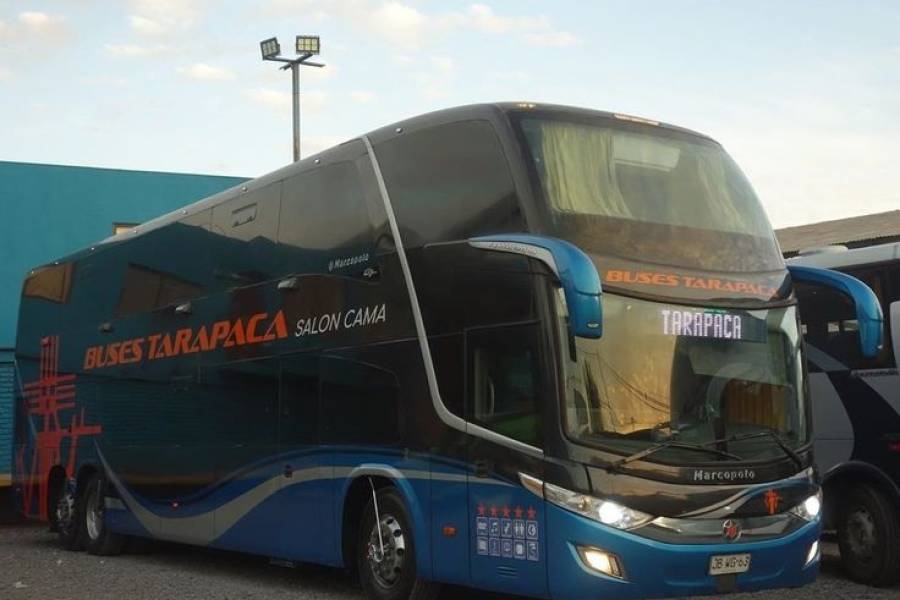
(307, 46)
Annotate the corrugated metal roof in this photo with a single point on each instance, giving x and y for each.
(840, 231)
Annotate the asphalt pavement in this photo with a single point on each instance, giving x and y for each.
(33, 566)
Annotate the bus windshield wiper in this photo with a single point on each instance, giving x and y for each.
(669, 444)
(790, 452)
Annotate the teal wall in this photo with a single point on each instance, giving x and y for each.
(48, 211)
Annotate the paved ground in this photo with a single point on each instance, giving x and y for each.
(32, 566)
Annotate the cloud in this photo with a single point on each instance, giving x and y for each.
(401, 25)
(552, 39)
(164, 17)
(362, 96)
(206, 72)
(269, 98)
(483, 18)
(135, 50)
(144, 26)
(48, 27)
(406, 28)
(34, 34)
(5, 73)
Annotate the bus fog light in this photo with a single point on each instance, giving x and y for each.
(813, 553)
(810, 508)
(601, 561)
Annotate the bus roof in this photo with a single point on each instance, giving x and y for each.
(488, 111)
(868, 255)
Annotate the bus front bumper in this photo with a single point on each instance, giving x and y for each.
(652, 569)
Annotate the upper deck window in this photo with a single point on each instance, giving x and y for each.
(449, 182)
(650, 194)
(50, 283)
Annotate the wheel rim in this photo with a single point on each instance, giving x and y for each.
(65, 511)
(862, 534)
(387, 567)
(94, 514)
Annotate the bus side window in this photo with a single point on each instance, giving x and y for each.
(244, 230)
(829, 324)
(324, 211)
(449, 182)
(503, 380)
(360, 403)
(299, 404)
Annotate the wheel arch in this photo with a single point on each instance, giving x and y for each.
(355, 494)
(834, 483)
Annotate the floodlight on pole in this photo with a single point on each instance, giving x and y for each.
(270, 48)
(306, 46)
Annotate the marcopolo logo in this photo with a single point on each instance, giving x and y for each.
(724, 476)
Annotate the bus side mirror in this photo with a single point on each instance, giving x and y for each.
(895, 330)
(868, 309)
(574, 269)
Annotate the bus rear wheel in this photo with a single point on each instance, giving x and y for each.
(98, 539)
(64, 519)
(868, 527)
(386, 558)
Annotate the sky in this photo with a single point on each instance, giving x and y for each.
(804, 95)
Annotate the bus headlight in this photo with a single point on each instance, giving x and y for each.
(810, 508)
(605, 511)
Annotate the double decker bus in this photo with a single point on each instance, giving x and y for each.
(536, 349)
(856, 410)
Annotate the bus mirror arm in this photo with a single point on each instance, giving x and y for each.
(574, 269)
(868, 308)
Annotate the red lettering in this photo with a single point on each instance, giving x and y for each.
(112, 354)
(137, 349)
(183, 341)
(154, 340)
(278, 328)
(236, 335)
(219, 333)
(165, 347)
(252, 338)
(614, 276)
(201, 341)
(90, 359)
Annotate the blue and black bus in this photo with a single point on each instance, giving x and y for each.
(536, 349)
(856, 410)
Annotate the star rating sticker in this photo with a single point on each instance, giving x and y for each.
(481, 509)
(493, 511)
(532, 514)
(506, 512)
(519, 512)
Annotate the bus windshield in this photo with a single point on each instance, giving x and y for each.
(648, 193)
(670, 372)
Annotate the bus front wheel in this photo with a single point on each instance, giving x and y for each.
(868, 527)
(386, 557)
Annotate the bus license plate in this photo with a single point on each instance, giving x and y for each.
(727, 564)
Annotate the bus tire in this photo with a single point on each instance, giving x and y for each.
(65, 521)
(98, 539)
(394, 576)
(868, 527)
